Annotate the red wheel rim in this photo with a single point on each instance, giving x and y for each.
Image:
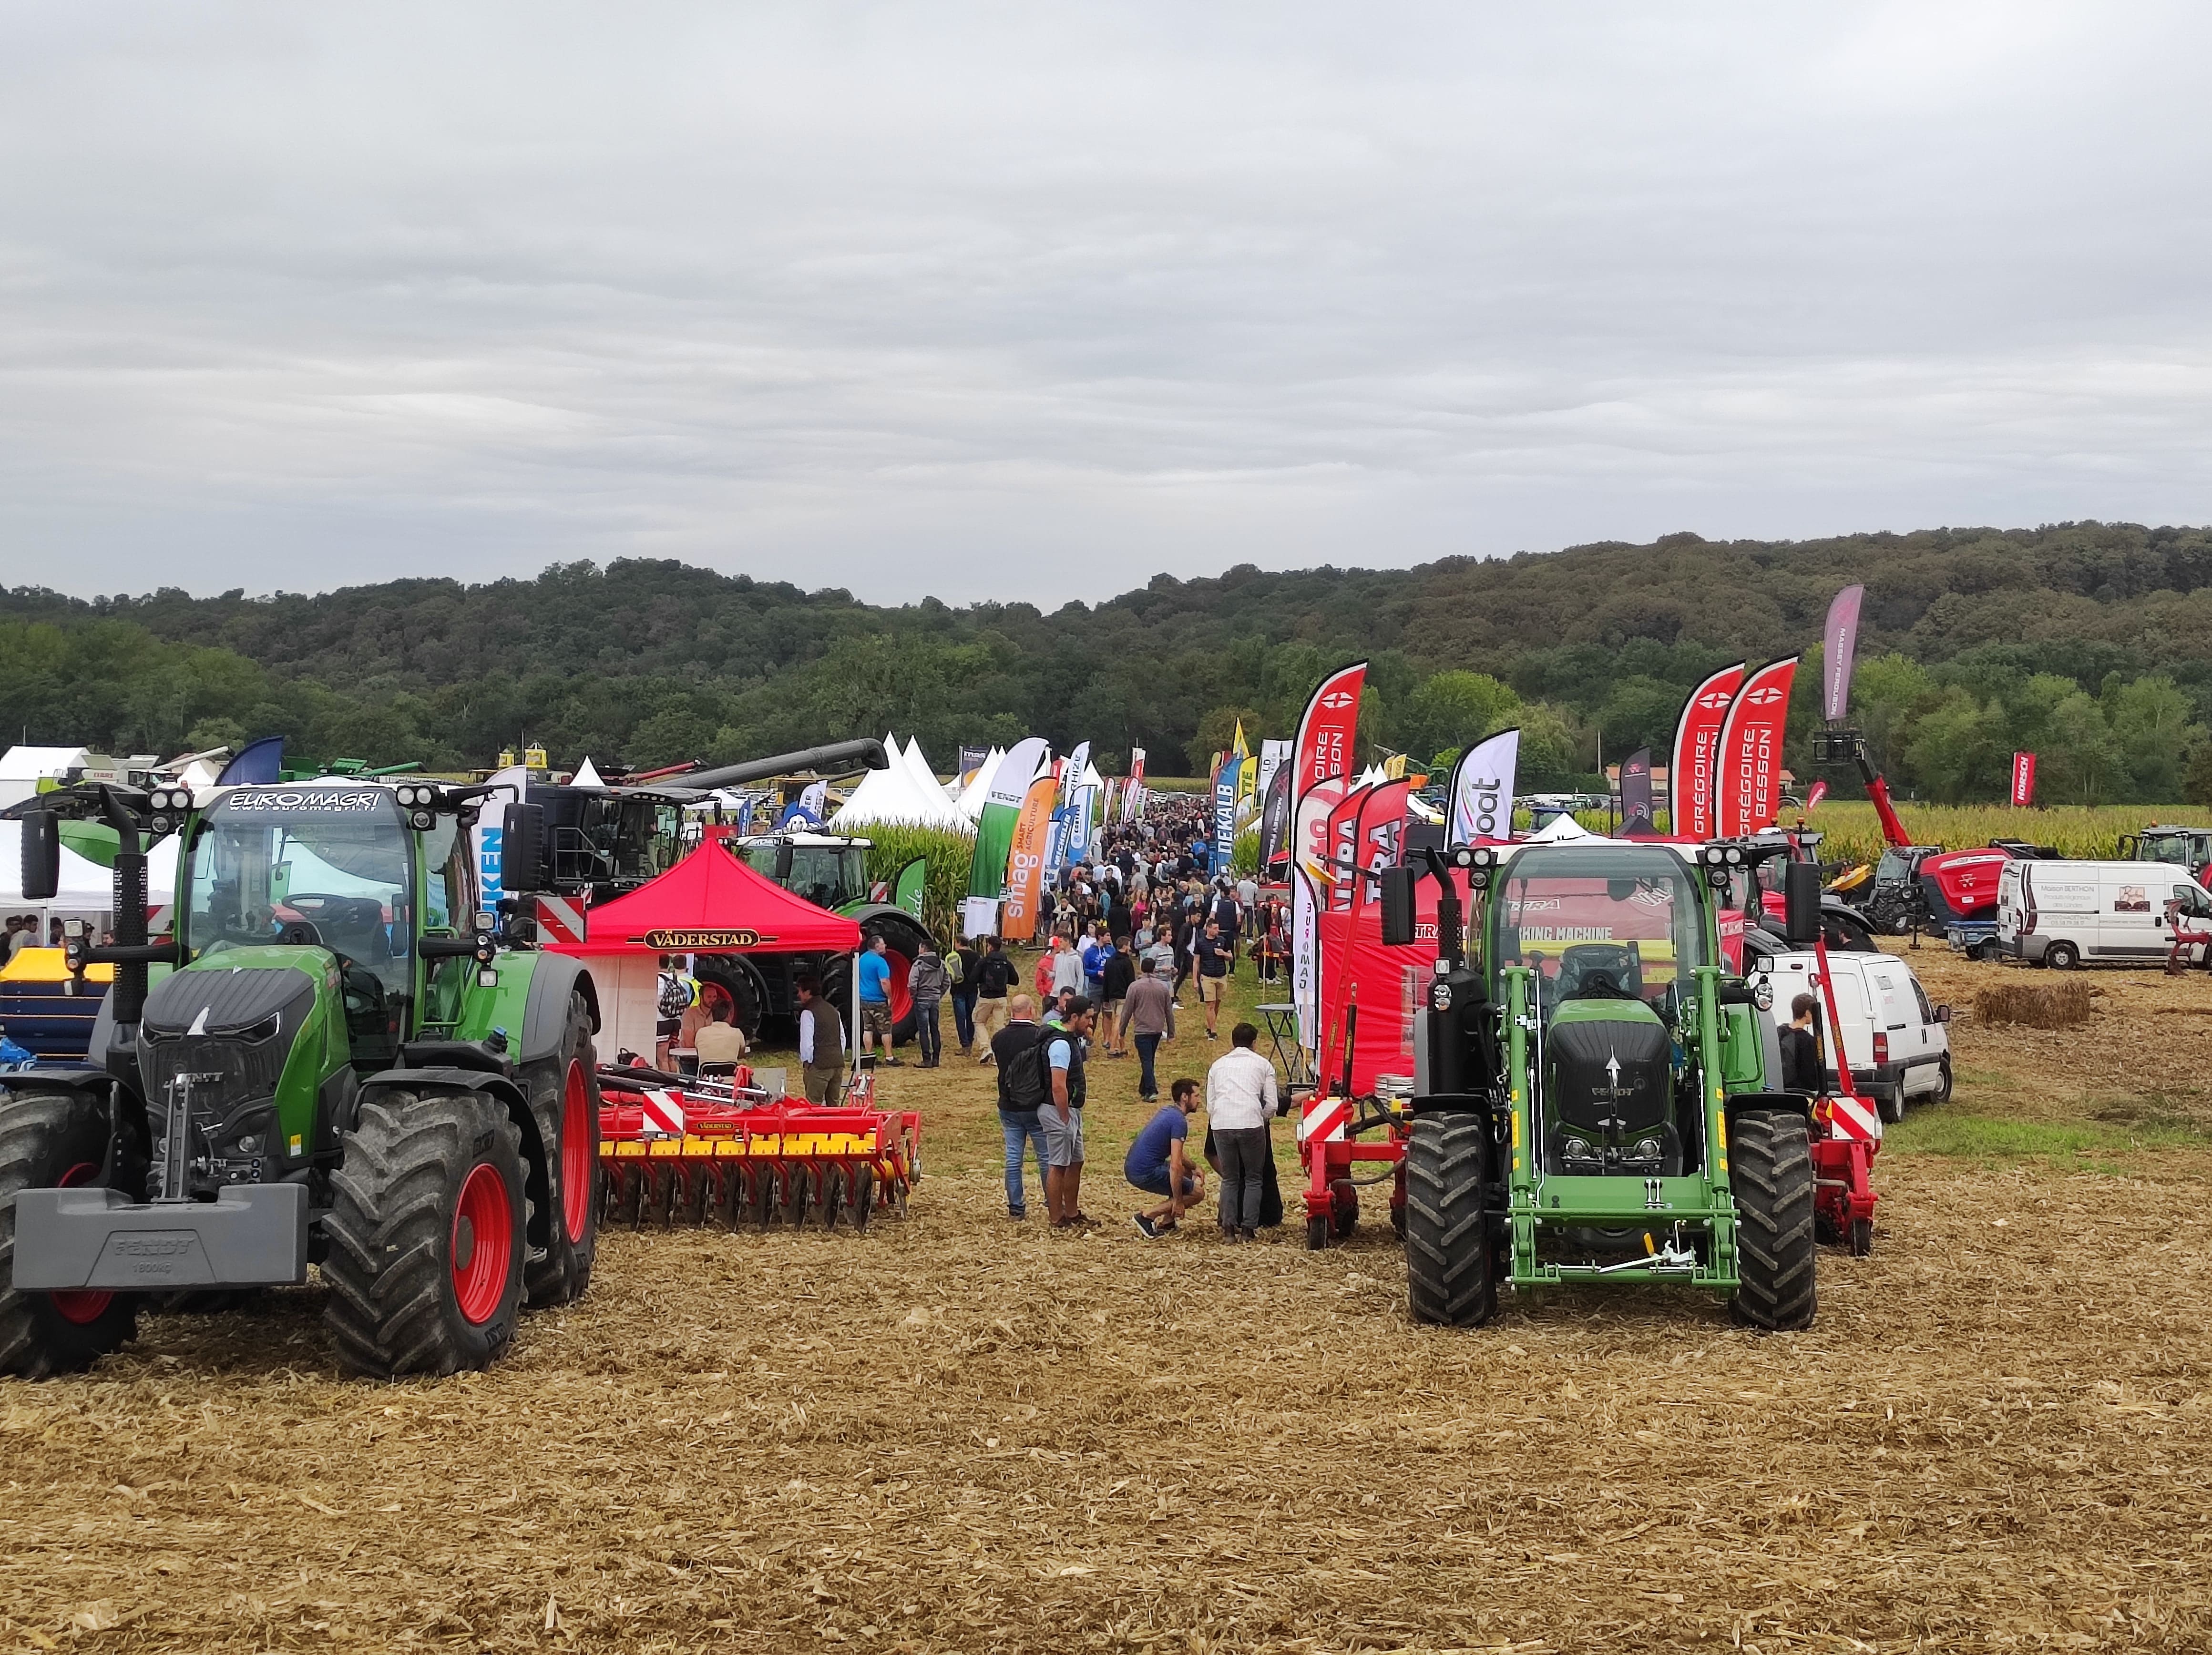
(577, 1153)
(91, 1304)
(483, 1243)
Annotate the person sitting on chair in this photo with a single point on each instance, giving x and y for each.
(720, 1043)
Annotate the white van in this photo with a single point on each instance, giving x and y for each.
(1895, 1041)
(2065, 914)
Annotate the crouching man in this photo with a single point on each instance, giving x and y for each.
(1158, 1162)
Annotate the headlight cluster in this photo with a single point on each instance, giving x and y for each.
(168, 805)
(1480, 861)
(421, 801)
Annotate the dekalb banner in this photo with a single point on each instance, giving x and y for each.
(1840, 644)
(1225, 811)
(1697, 736)
(1747, 782)
(2023, 779)
(1026, 860)
(1321, 753)
(1002, 804)
(1482, 791)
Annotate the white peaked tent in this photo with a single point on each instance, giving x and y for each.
(1563, 829)
(895, 794)
(973, 796)
(924, 778)
(587, 776)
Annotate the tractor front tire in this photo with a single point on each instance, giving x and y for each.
(426, 1236)
(1450, 1279)
(1771, 1171)
(51, 1140)
(561, 1270)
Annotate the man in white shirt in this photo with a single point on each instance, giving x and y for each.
(1240, 1097)
(820, 1043)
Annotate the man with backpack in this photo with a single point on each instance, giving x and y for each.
(677, 991)
(1024, 1091)
(1065, 1048)
(994, 977)
(960, 967)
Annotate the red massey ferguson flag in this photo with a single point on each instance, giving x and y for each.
(1747, 782)
(1323, 747)
(1690, 768)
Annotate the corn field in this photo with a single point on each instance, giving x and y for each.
(2087, 831)
(893, 846)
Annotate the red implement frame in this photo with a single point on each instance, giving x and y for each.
(1847, 1135)
(741, 1158)
(1336, 1136)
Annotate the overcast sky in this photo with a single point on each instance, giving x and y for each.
(1030, 300)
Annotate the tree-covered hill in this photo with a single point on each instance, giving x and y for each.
(2090, 643)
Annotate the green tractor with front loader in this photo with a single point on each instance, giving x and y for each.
(334, 1057)
(1595, 1094)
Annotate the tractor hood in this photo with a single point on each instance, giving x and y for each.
(236, 993)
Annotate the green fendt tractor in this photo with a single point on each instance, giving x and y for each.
(1595, 1095)
(335, 1059)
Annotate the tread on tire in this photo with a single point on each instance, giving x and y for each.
(560, 1272)
(1450, 1278)
(43, 1135)
(1770, 1173)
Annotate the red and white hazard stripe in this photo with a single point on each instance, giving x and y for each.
(561, 919)
(663, 1115)
(1854, 1117)
(1324, 1119)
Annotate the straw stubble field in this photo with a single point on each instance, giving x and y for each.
(958, 1432)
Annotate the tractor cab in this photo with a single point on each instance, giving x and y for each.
(2180, 847)
(828, 872)
(1610, 937)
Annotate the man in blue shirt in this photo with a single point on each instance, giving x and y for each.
(876, 999)
(1097, 951)
(1159, 1162)
(1062, 1116)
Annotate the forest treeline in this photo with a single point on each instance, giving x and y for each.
(2088, 643)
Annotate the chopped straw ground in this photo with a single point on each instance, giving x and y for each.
(959, 1434)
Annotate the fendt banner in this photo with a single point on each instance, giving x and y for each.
(1321, 753)
(1690, 768)
(995, 830)
(1482, 791)
(1747, 778)
(1839, 650)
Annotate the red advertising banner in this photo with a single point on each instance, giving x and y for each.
(1690, 768)
(1321, 755)
(1381, 830)
(1025, 862)
(1748, 765)
(2023, 779)
(1323, 746)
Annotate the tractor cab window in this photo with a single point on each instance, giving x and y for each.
(1598, 923)
(2165, 847)
(1893, 866)
(449, 905)
(327, 866)
(828, 875)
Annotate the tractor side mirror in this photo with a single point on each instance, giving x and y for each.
(1801, 898)
(42, 855)
(521, 847)
(1398, 906)
(783, 863)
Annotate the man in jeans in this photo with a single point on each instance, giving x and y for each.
(1240, 1096)
(928, 982)
(961, 963)
(1214, 953)
(1149, 1013)
(1158, 1163)
(1023, 1092)
(1065, 1049)
(1117, 978)
(876, 998)
(994, 975)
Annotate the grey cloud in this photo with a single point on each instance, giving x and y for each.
(1037, 300)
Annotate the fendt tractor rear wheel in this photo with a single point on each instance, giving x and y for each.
(426, 1235)
(564, 1269)
(1771, 1171)
(52, 1140)
(1449, 1275)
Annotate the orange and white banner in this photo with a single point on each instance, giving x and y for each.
(1026, 860)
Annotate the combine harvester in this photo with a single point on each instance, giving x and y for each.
(672, 1147)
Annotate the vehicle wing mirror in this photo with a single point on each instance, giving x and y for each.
(1800, 921)
(521, 848)
(42, 855)
(783, 863)
(1942, 1014)
(1398, 906)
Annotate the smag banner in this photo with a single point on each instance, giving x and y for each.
(1747, 784)
(1026, 860)
(1321, 755)
(1697, 739)
(1482, 790)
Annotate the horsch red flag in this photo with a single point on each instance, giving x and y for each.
(1690, 768)
(1321, 755)
(2023, 779)
(1747, 777)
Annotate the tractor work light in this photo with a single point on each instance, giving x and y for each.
(1711, 854)
(1762, 994)
(1736, 855)
(1718, 878)
(421, 820)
